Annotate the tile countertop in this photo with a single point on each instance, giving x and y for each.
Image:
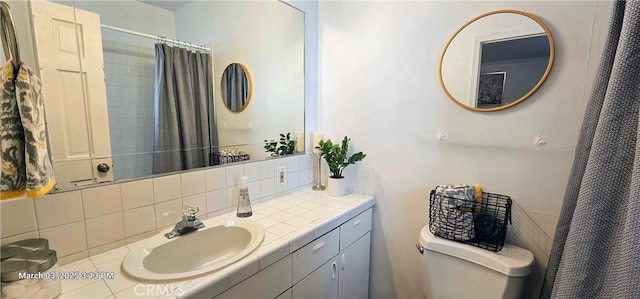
(289, 222)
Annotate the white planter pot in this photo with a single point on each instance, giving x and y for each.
(337, 187)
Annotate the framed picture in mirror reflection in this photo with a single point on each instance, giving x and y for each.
(491, 89)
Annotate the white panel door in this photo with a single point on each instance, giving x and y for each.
(76, 108)
(321, 283)
(354, 269)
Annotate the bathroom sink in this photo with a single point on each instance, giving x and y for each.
(221, 242)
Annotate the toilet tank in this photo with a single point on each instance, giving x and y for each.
(455, 270)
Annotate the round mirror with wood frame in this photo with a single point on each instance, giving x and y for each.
(496, 60)
(236, 87)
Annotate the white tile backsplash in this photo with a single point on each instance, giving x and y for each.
(216, 200)
(136, 194)
(233, 173)
(279, 163)
(66, 239)
(283, 187)
(139, 220)
(252, 171)
(293, 180)
(199, 200)
(57, 209)
(254, 190)
(192, 183)
(304, 177)
(23, 207)
(292, 164)
(167, 188)
(168, 213)
(93, 220)
(267, 187)
(232, 196)
(215, 178)
(104, 229)
(101, 200)
(304, 162)
(267, 169)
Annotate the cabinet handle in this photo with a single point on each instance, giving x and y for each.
(357, 222)
(318, 246)
(344, 261)
(335, 269)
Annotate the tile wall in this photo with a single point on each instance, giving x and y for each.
(93, 220)
(129, 73)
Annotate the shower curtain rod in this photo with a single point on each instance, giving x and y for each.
(157, 37)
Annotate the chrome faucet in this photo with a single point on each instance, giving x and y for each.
(188, 223)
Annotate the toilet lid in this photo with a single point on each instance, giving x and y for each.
(511, 260)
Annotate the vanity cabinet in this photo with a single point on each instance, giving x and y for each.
(354, 269)
(314, 254)
(345, 275)
(334, 265)
(321, 283)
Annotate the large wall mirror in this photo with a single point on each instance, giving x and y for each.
(109, 71)
(496, 60)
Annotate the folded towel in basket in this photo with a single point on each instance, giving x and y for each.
(454, 214)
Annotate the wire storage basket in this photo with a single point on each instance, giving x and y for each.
(481, 223)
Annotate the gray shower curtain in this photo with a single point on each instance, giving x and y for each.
(185, 129)
(596, 249)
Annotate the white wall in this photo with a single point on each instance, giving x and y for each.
(267, 38)
(379, 85)
(131, 15)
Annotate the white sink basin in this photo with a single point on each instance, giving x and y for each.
(220, 243)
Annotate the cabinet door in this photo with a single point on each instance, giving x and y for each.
(267, 283)
(321, 283)
(354, 269)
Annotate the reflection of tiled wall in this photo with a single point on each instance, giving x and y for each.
(93, 220)
(129, 72)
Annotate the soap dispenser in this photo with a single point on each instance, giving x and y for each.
(244, 204)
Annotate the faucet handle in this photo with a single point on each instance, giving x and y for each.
(190, 212)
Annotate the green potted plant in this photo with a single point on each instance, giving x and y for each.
(286, 146)
(337, 159)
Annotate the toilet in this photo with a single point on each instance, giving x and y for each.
(451, 269)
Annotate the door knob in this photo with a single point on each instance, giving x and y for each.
(103, 167)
